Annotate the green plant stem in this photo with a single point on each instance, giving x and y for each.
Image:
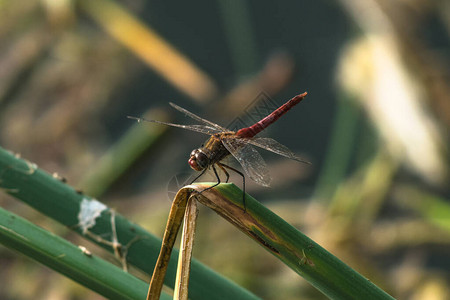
(100, 276)
(319, 267)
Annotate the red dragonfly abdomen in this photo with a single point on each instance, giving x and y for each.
(253, 130)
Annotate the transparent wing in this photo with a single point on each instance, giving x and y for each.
(250, 160)
(200, 119)
(275, 147)
(198, 128)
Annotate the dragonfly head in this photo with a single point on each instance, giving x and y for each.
(198, 160)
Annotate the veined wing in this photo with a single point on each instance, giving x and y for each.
(275, 147)
(198, 128)
(200, 119)
(250, 160)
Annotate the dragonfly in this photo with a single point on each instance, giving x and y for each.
(224, 142)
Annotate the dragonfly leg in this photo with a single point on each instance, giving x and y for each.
(222, 166)
(217, 176)
(214, 185)
(203, 172)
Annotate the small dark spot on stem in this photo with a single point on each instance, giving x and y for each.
(264, 243)
(59, 177)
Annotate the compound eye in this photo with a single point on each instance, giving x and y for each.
(202, 159)
(198, 160)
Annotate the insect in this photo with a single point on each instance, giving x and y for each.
(223, 142)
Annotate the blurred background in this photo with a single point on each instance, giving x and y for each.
(375, 126)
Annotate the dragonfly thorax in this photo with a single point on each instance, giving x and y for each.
(198, 160)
